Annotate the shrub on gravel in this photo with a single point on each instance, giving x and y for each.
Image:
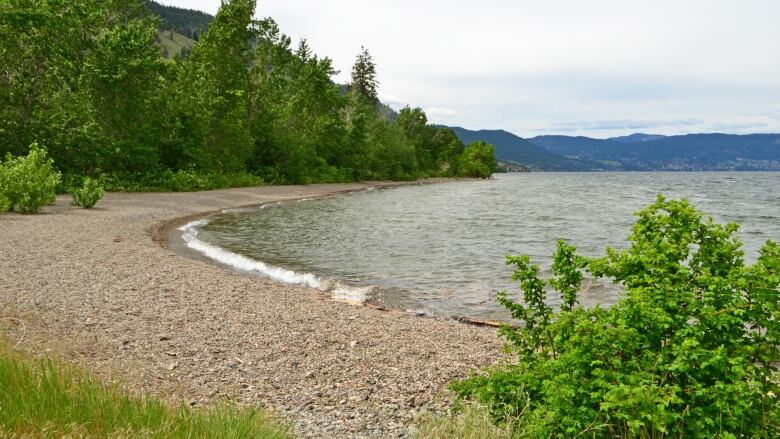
(690, 350)
(86, 196)
(28, 183)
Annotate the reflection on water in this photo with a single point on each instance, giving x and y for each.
(440, 248)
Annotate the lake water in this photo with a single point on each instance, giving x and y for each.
(439, 249)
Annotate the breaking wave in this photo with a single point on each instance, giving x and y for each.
(337, 290)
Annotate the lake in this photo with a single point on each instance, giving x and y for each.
(439, 249)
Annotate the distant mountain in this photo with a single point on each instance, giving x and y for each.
(691, 152)
(188, 22)
(179, 28)
(515, 149)
(637, 137)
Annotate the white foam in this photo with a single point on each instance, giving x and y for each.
(338, 291)
(346, 293)
(190, 237)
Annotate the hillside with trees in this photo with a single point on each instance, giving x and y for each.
(87, 81)
(188, 22)
(514, 150)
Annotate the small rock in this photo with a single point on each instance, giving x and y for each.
(173, 365)
(353, 343)
(163, 337)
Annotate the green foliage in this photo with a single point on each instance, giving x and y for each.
(364, 80)
(214, 91)
(189, 180)
(86, 196)
(48, 399)
(180, 181)
(471, 421)
(187, 22)
(690, 350)
(28, 183)
(477, 160)
(5, 203)
(90, 79)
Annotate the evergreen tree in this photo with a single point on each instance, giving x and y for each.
(364, 80)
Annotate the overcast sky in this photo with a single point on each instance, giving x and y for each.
(598, 68)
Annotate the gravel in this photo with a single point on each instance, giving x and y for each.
(110, 289)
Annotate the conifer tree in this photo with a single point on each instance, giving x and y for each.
(364, 80)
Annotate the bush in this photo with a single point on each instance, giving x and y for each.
(477, 160)
(179, 181)
(28, 183)
(5, 203)
(190, 180)
(690, 350)
(88, 194)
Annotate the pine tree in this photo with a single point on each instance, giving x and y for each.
(364, 80)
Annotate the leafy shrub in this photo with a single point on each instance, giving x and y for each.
(477, 160)
(90, 192)
(690, 350)
(189, 180)
(28, 183)
(5, 203)
(180, 181)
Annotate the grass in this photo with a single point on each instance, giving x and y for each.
(174, 42)
(47, 398)
(472, 422)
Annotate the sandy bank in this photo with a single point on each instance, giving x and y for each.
(97, 287)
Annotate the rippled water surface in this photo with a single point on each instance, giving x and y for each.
(440, 248)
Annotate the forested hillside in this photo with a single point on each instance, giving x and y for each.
(515, 149)
(188, 22)
(87, 81)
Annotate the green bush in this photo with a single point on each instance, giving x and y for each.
(179, 181)
(90, 192)
(28, 183)
(5, 203)
(477, 160)
(189, 180)
(690, 350)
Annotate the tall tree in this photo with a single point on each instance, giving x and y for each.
(214, 86)
(364, 80)
(54, 54)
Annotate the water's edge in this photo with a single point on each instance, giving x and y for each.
(180, 235)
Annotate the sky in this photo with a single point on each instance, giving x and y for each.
(597, 68)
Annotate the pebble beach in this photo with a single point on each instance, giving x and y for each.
(112, 290)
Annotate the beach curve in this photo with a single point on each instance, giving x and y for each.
(97, 287)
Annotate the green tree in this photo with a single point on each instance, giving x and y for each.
(71, 72)
(477, 160)
(414, 124)
(213, 88)
(364, 80)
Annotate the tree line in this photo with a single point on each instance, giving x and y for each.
(87, 82)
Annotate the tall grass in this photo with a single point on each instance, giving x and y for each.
(50, 399)
(473, 421)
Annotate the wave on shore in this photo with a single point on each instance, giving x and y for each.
(338, 291)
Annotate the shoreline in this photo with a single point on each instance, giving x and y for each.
(170, 235)
(104, 289)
